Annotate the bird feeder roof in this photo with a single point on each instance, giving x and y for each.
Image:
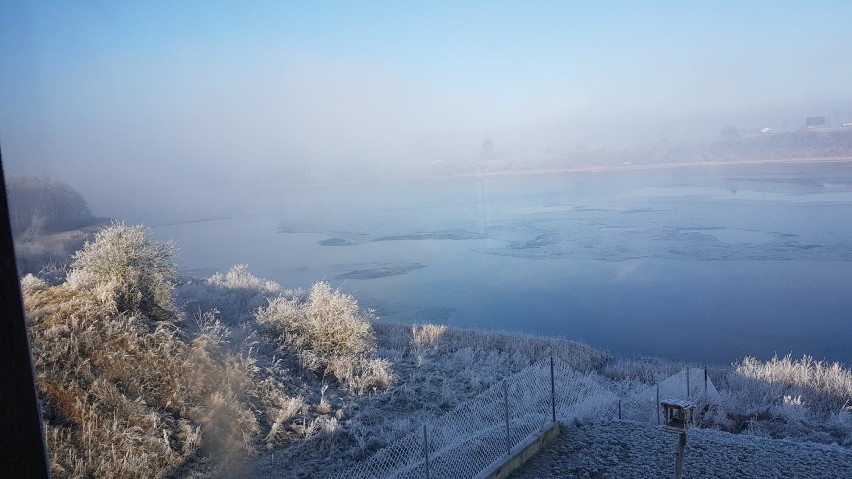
(677, 403)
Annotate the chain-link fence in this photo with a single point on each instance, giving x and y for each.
(464, 441)
(690, 384)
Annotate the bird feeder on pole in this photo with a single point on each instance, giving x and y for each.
(677, 416)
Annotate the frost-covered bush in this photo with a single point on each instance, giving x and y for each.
(426, 335)
(235, 294)
(329, 334)
(239, 277)
(127, 269)
(329, 324)
(31, 284)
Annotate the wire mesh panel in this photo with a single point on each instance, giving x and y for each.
(579, 396)
(644, 405)
(403, 458)
(463, 442)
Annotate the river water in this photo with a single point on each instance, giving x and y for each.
(706, 264)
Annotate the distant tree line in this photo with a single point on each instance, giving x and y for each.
(42, 205)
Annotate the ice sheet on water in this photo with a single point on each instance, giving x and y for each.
(380, 271)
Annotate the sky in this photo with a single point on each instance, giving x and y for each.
(175, 94)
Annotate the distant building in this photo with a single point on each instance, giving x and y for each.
(815, 122)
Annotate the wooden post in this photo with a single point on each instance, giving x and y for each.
(687, 383)
(681, 444)
(705, 381)
(619, 409)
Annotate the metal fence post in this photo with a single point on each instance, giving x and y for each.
(619, 409)
(426, 450)
(506, 403)
(657, 406)
(552, 392)
(688, 391)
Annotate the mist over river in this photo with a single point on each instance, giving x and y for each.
(706, 264)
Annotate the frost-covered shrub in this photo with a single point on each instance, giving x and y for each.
(329, 324)
(31, 284)
(127, 269)
(235, 294)
(426, 335)
(239, 277)
(329, 334)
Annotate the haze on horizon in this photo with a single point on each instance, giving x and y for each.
(157, 96)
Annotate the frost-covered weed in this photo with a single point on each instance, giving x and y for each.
(426, 335)
(285, 409)
(324, 426)
(361, 374)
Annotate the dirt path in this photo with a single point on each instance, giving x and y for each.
(635, 450)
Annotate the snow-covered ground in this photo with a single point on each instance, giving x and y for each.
(625, 449)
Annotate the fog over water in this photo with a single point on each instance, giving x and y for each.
(703, 263)
(385, 147)
(169, 97)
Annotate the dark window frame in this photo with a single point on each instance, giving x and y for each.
(22, 447)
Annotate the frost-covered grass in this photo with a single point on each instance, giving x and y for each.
(787, 398)
(124, 398)
(826, 388)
